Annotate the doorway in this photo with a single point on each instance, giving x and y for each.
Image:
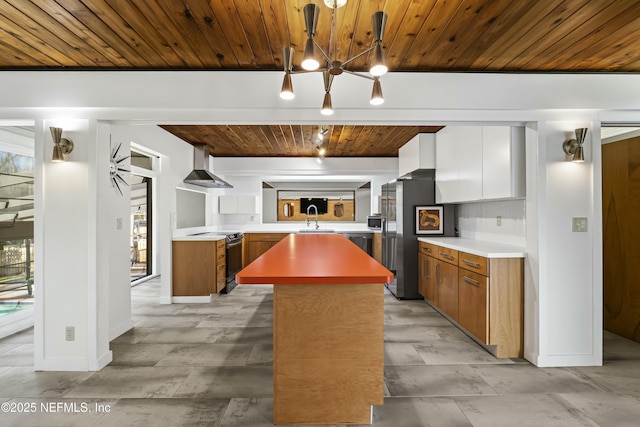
(17, 173)
(141, 227)
(620, 201)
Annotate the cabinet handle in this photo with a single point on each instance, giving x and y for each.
(470, 280)
(471, 263)
(438, 274)
(447, 256)
(428, 249)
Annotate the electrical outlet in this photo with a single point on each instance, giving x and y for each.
(579, 224)
(118, 223)
(70, 333)
(499, 221)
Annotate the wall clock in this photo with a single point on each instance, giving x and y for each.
(116, 169)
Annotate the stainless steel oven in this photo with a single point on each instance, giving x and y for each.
(234, 258)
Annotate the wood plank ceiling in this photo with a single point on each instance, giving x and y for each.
(421, 36)
(300, 140)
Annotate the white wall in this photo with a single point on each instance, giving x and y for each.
(68, 288)
(176, 161)
(479, 221)
(247, 174)
(563, 287)
(550, 105)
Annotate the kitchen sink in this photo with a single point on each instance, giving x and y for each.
(314, 230)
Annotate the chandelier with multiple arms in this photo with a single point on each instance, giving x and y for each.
(334, 67)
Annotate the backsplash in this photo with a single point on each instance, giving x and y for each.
(480, 221)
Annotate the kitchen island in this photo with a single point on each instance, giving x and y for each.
(328, 328)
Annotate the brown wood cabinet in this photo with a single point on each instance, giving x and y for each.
(377, 247)
(473, 303)
(221, 263)
(198, 267)
(483, 296)
(255, 244)
(447, 285)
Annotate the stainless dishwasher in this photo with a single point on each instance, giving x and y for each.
(363, 240)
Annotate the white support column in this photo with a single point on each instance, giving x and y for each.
(72, 275)
(563, 284)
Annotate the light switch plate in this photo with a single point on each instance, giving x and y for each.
(579, 224)
(70, 333)
(118, 223)
(499, 221)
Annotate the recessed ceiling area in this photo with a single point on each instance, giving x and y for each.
(298, 140)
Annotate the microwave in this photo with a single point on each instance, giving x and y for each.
(374, 222)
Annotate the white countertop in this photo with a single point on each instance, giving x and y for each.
(294, 227)
(202, 236)
(477, 247)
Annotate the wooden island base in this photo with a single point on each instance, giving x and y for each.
(328, 328)
(328, 353)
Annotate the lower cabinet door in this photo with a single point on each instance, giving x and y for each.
(422, 277)
(447, 280)
(473, 303)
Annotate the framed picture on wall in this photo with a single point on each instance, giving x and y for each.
(429, 220)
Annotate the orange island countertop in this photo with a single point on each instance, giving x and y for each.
(328, 328)
(311, 258)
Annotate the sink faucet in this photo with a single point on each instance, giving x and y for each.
(308, 209)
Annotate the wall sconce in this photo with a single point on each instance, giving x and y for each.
(61, 146)
(573, 147)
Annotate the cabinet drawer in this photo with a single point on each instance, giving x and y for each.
(473, 263)
(221, 258)
(268, 237)
(221, 271)
(428, 249)
(220, 244)
(447, 255)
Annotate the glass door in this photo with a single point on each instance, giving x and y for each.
(141, 223)
(16, 224)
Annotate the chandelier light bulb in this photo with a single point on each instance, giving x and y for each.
(309, 61)
(327, 108)
(376, 94)
(378, 64)
(287, 88)
(335, 3)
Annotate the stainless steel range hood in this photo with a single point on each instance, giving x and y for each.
(200, 174)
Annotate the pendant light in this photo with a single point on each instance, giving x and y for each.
(313, 52)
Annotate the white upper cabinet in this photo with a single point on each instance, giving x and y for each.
(418, 153)
(237, 204)
(479, 163)
(503, 166)
(446, 165)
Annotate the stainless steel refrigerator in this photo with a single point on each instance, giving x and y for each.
(398, 203)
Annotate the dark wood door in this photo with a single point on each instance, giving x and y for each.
(621, 237)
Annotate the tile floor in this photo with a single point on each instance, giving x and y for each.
(210, 365)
